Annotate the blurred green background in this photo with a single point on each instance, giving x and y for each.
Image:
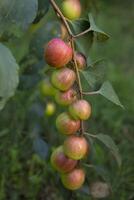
(26, 175)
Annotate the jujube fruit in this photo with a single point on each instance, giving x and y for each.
(74, 179)
(66, 124)
(61, 162)
(63, 79)
(46, 88)
(57, 53)
(50, 109)
(66, 98)
(71, 9)
(81, 60)
(76, 147)
(80, 109)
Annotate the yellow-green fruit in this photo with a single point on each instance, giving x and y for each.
(66, 98)
(76, 147)
(61, 162)
(63, 79)
(80, 109)
(71, 9)
(50, 109)
(66, 125)
(74, 179)
(46, 88)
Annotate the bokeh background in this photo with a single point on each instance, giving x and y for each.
(24, 126)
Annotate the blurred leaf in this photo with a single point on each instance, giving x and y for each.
(4, 132)
(108, 92)
(9, 77)
(101, 35)
(41, 147)
(109, 143)
(17, 12)
(43, 7)
(102, 172)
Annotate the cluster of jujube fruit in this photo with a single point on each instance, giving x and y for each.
(65, 158)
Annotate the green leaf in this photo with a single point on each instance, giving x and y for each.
(17, 13)
(43, 7)
(41, 147)
(109, 143)
(95, 73)
(101, 35)
(84, 42)
(8, 75)
(89, 77)
(108, 92)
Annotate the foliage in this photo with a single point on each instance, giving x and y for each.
(24, 128)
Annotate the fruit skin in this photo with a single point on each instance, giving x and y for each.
(74, 179)
(46, 88)
(71, 9)
(63, 79)
(60, 162)
(50, 109)
(80, 109)
(66, 125)
(66, 98)
(57, 53)
(76, 147)
(81, 60)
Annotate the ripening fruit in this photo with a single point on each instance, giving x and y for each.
(71, 9)
(50, 109)
(66, 125)
(81, 60)
(63, 79)
(66, 98)
(74, 179)
(76, 147)
(80, 109)
(57, 53)
(46, 88)
(61, 162)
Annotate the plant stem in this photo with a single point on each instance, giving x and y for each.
(91, 93)
(82, 33)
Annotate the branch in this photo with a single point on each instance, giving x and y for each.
(57, 10)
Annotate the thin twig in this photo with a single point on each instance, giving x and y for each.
(82, 33)
(90, 93)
